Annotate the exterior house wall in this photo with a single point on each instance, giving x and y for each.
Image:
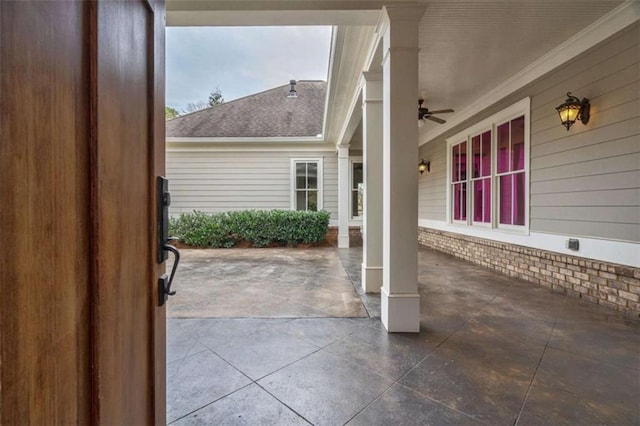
(583, 183)
(259, 179)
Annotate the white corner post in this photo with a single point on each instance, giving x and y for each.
(372, 174)
(399, 299)
(344, 195)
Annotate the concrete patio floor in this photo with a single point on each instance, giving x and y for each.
(266, 283)
(492, 350)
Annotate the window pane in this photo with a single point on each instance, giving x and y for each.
(517, 143)
(518, 199)
(455, 170)
(485, 148)
(301, 175)
(313, 201)
(357, 175)
(459, 162)
(505, 200)
(481, 147)
(477, 157)
(460, 201)
(355, 211)
(312, 180)
(301, 200)
(503, 148)
(482, 200)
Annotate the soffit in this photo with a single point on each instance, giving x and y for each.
(468, 48)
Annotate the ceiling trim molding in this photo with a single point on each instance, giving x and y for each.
(269, 148)
(194, 18)
(258, 140)
(618, 19)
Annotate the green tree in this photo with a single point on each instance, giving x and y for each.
(215, 97)
(170, 113)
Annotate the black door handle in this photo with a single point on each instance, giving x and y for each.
(163, 198)
(164, 282)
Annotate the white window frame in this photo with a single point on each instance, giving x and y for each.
(521, 108)
(292, 181)
(352, 161)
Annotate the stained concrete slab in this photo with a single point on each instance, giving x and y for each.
(263, 283)
(491, 350)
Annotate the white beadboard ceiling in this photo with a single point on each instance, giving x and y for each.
(469, 48)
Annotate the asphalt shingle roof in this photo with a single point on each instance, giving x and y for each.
(266, 114)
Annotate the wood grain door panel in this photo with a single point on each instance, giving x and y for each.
(81, 140)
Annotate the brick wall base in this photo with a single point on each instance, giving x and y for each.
(355, 237)
(607, 284)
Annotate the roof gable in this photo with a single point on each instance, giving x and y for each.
(266, 114)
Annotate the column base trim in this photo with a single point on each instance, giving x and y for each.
(371, 278)
(400, 312)
(343, 241)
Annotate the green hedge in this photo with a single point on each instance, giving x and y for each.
(260, 227)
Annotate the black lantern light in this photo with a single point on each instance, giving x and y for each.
(573, 109)
(422, 166)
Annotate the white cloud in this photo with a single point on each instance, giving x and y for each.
(241, 60)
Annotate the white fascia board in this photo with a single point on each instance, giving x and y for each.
(620, 252)
(618, 19)
(330, 73)
(253, 148)
(256, 140)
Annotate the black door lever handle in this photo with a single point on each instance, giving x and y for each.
(164, 282)
(176, 260)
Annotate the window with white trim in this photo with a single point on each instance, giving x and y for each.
(306, 184)
(488, 178)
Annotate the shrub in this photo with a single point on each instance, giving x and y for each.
(260, 227)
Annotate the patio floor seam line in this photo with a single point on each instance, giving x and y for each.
(445, 405)
(533, 377)
(599, 360)
(356, 284)
(397, 382)
(208, 404)
(283, 403)
(369, 404)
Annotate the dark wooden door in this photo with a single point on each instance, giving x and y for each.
(81, 141)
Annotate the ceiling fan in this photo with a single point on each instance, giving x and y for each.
(424, 113)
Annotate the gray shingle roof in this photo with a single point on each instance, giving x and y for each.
(266, 114)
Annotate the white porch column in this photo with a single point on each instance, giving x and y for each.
(344, 195)
(372, 177)
(400, 300)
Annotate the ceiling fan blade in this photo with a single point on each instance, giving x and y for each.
(441, 111)
(436, 119)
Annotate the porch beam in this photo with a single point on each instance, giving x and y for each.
(399, 299)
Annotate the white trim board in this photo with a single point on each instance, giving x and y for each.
(292, 149)
(621, 252)
(256, 140)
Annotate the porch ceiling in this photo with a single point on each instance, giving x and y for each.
(468, 47)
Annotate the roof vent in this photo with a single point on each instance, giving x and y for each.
(292, 90)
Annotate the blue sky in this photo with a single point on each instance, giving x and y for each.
(241, 60)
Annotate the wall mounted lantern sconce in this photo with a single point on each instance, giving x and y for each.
(422, 166)
(573, 109)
